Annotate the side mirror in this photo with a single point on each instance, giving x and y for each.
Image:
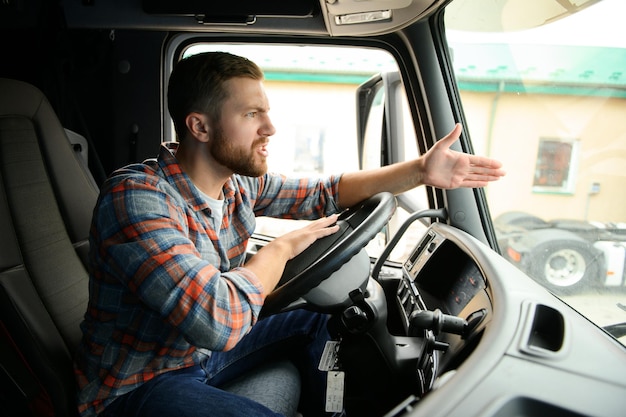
(380, 121)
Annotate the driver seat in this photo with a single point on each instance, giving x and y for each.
(46, 200)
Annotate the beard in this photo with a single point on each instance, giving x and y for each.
(240, 160)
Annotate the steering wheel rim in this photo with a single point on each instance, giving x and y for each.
(357, 226)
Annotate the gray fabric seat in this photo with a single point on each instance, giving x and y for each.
(46, 201)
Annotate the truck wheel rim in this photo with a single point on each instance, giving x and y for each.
(565, 268)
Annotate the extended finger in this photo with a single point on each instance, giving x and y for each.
(327, 221)
(324, 226)
(483, 161)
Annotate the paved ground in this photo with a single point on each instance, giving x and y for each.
(601, 308)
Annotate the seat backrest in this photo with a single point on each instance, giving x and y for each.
(46, 204)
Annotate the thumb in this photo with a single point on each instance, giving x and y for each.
(451, 137)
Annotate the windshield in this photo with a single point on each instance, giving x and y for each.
(549, 102)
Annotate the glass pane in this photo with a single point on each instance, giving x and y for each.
(549, 102)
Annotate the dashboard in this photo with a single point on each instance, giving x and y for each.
(442, 298)
(456, 330)
(430, 272)
(492, 336)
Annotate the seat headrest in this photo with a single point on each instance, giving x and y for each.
(75, 189)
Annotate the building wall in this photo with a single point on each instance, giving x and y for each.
(498, 122)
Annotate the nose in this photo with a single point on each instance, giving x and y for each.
(267, 128)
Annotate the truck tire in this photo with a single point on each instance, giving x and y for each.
(566, 266)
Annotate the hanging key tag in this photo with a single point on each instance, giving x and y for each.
(334, 391)
(330, 356)
(329, 363)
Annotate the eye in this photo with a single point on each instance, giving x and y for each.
(251, 115)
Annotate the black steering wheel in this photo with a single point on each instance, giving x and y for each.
(357, 226)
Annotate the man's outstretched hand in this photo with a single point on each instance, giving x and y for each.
(446, 168)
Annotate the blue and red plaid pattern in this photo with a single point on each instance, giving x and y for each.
(166, 287)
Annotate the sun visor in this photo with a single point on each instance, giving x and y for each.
(232, 8)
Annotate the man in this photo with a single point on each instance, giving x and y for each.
(173, 310)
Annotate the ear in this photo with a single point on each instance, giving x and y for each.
(198, 126)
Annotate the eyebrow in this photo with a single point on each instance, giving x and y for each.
(255, 107)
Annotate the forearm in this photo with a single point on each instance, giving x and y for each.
(268, 264)
(355, 187)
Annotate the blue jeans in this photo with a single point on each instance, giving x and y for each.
(297, 335)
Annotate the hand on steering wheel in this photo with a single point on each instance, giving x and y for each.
(357, 226)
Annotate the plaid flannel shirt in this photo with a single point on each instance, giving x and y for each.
(166, 287)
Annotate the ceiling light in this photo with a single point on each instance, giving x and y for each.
(364, 17)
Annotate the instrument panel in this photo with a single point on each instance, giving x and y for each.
(438, 275)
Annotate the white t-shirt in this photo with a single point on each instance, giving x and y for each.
(217, 209)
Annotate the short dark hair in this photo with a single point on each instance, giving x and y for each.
(197, 85)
